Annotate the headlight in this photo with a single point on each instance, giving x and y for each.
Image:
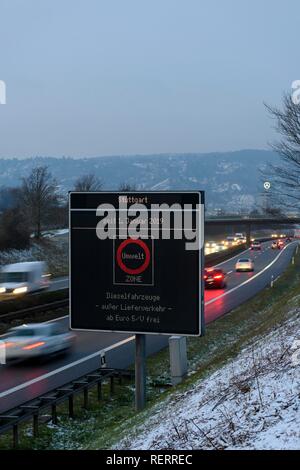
(2, 290)
(20, 290)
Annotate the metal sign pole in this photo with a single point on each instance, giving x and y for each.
(140, 371)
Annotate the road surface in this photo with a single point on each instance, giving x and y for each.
(25, 381)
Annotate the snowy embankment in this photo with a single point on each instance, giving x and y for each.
(251, 403)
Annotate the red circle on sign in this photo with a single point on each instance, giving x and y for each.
(145, 264)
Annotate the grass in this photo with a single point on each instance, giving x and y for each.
(103, 425)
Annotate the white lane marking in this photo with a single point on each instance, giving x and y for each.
(235, 256)
(229, 272)
(131, 338)
(56, 319)
(248, 280)
(63, 368)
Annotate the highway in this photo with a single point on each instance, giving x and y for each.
(25, 381)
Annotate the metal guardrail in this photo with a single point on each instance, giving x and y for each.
(220, 256)
(252, 220)
(12, 419)
(35, 309)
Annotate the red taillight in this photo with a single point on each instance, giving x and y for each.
(205, 276)
(218, 276)
(33, 346)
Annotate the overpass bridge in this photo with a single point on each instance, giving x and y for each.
(247, 223)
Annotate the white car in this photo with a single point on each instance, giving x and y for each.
(37, 340)
(244, 264)
(21, 278)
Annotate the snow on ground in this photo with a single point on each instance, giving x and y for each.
(251, 403)
(53, 233)
(55, 253)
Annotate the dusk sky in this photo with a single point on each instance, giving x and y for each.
(94, 77)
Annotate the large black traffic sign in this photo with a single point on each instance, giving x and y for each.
(151, 284)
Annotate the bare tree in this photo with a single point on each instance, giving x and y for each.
(286, 176)
(88, 182)
(14, 230)
(38, 196)
(127, 187)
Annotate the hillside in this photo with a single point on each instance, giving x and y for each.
(232, 180)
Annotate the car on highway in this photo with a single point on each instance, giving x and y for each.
(277, 245)
(230, 241)
(220, 247)
(37, 340)
(21, 278)
(255, 245)
(211, 244)
(244, 264)
(288, 239)
(214, 278)
(240, 238)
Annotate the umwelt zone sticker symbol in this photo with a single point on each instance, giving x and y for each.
(141, 255)
(133, 262)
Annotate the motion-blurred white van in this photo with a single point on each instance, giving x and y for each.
(22, 278)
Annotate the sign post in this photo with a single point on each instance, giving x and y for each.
(136, 266)
(140, 372)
